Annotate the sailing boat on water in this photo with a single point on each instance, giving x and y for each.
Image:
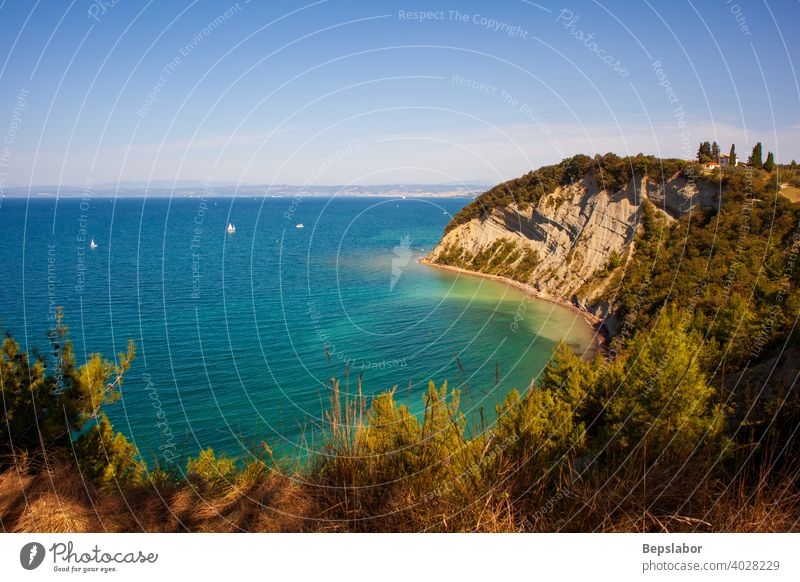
(92, 244)
(231, 228)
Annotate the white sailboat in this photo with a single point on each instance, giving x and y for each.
(231, 228)
(299, 225)
(92, 244)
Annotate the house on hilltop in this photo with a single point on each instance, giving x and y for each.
(724, 162)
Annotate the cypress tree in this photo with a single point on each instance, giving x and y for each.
(704, 152)
(733, 154)
(769, 165)
(756, 157)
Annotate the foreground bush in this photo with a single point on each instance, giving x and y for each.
(53, 410)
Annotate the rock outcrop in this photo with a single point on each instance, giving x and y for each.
(567, 245)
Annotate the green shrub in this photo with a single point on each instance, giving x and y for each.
(614, 260)
(537, 432)
(392, 438)
(50, 406)
(210, 472)
(658, 397)
(107, 458)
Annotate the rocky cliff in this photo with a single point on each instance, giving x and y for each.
(565, 243)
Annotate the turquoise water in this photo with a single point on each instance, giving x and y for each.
(231, 329)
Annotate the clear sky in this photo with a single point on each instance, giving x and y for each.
(336, 92)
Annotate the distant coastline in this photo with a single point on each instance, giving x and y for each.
(161, 189)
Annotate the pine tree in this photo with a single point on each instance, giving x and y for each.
(756, 160)
(661, 394)
(53, 406)
(733, 155)
(769, 165)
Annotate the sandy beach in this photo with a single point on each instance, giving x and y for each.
(600, 340)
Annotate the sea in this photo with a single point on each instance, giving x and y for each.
(239, 335)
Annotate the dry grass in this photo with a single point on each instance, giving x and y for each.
(791, 192)
(53, 502)
(56, 500)
(686, 504)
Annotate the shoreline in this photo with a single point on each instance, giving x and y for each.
(600, 341)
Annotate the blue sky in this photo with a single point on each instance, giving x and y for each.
(335, 92)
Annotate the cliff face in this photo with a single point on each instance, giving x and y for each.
(568, 245)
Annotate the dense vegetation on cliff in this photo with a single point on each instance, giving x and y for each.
(735, 272)
(689, 422)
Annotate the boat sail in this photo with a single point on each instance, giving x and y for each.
(92, 244)
(231, 228)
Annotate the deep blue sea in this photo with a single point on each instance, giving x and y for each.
(231, 329)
